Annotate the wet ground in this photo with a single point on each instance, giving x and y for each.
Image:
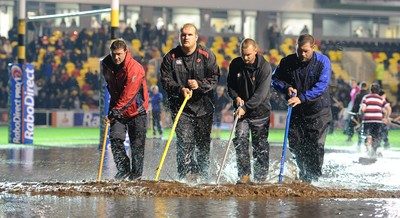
(62, 182)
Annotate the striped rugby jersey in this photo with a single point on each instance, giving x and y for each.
(375, 105)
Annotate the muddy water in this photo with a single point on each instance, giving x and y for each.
(102, 206)
(61, 182)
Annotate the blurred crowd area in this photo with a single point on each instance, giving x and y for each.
(67, 63)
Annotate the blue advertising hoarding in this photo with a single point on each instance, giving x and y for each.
(21, 104)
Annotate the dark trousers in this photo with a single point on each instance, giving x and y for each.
(307, 135)
(136, 128)
(352, 125)
(156, 122)
(193, 145)
(385, 133)
(374, 130)
(361, 134)
(259, 128)
(217, 119)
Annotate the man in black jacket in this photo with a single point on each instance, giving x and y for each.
(355, 112)
(191, 69)
(249, 82)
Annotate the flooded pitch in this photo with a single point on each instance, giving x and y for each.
(62, 182)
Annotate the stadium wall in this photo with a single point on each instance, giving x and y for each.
(263, 5)
(309, 6)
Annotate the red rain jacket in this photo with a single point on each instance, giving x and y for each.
(126, 84)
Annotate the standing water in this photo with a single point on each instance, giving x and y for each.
(61, 182)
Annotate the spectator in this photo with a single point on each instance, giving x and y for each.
(380, 72)
(376, 112)
(355, 117)
(304, 30)
(274, 36)
(63, 24)
(156, 98)
(128, 34)
(353, 92)
(138, 27)
(73, 23)
(222, 105)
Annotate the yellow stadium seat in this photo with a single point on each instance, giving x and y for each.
(288, 41)
(216, 45)
(332, 55)
(266, 58)
(153, 81)
(136, 44)
(393, 69)
(274, 52)
(393, 87)
(165, 49)
(382, 55)
(232, 44)
(339, 55)
(218, 39)
(233, 39)
(70, 67)
(57, 59)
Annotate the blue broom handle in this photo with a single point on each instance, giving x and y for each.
(285, 141)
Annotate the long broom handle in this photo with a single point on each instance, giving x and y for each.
(170, 137)
(151, 118)
(285, 142)
(227, 149)
(103, 150)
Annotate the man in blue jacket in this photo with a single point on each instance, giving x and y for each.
(306, 75)
(156, 99)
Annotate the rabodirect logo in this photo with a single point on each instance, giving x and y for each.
(16, 72)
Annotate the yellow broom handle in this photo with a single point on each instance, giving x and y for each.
(170, 137)
(103, 150)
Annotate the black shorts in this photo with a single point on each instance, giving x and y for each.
(217, 119)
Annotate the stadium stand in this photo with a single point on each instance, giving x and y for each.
(67, 63)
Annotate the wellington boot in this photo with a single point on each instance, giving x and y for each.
(244, 180)
(122, 175)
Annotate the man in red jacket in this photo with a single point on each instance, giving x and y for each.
(126, 83)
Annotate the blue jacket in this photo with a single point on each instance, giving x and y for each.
(311, 79)
(156, 101)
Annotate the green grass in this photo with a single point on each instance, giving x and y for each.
(48, 136)
(335, 139)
